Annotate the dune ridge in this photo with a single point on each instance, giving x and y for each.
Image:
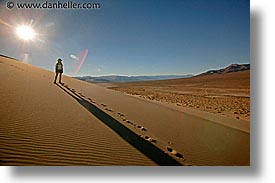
(50, 127)
(42, 126)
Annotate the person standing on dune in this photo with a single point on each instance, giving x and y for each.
(58, 70)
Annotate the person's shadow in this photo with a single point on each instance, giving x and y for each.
(144, 146)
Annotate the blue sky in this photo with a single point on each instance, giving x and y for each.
(145, 37)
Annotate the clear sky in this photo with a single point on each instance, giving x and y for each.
(124, 37)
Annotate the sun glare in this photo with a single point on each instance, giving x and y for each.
(25, 32)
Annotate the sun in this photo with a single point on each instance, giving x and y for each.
(25, 32)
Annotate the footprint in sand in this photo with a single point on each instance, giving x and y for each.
(107, 109)
(91, 100)
(142, 128)
(127, 121)
(120, 114)
(174, 152)
(146, 137)
(104, 105)
(170, 142)
(152, 140)
(81, 94)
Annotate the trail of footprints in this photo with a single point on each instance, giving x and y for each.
(168, 149)
(16, 67)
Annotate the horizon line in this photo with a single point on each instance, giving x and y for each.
(112, 74)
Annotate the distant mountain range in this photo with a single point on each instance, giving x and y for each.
(230, 68)
(117, 78)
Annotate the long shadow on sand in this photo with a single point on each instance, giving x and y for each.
(148, 149)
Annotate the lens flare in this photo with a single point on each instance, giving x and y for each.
(83, 58)
(25, 32)
(74, 57)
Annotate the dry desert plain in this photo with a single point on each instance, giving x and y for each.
(225, 94)
(79, 123)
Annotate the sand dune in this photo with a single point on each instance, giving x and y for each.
(225, 94)
(79, 123)
(41, 125)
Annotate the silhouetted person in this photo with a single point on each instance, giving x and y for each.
(58, 70)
